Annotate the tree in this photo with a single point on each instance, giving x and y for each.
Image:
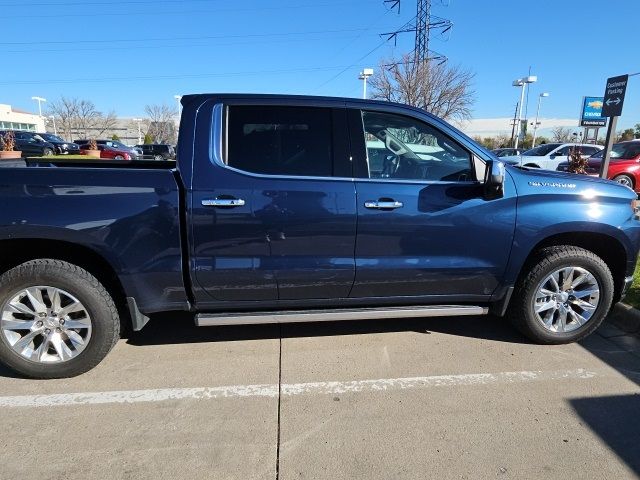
(628, 134)
(148, 139)
(79, 118)
(637, 130)
(162, 123)
(442, 90)
(561, 134)
(115, 137)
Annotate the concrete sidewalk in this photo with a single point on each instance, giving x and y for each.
(435, 398)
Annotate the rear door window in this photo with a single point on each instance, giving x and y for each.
(275, 140)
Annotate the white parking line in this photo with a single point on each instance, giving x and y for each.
(271, 390)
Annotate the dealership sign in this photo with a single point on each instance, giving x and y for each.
(591, 113)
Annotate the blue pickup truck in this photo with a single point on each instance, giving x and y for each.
(294, 209)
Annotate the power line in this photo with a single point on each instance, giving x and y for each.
(394, 4)
(91, 4)
(178, 12)
(168, 77)
(203, 37)
(174, 45)
(352, 65)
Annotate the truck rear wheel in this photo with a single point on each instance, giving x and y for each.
(563, 297)
(57, 320)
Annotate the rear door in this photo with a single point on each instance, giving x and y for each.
(26, 144)
(424, 228)
(274, 213)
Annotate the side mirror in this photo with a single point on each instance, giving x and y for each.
(494, 180)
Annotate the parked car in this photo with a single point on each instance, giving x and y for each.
(506, 152)
(624, 164)
(286, 221)
(61, 146)
(30, 144)
(110, 152)
(158, 151)
(115, 144)
(550, 155)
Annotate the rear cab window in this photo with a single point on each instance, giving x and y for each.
(277, 140)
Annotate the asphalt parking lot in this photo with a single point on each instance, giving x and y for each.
(433, 398)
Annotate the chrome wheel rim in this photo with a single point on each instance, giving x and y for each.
(45, 324)
(566, 299)
(624, 181)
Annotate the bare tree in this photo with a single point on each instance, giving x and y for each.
(79, 118)
(561, 134)
(162, 123)
(444, 90)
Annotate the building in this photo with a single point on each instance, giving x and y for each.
(14, 119)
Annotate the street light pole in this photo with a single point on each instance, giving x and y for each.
(364, 74)
(178, 98)
(535, 125)
(40, 100)
(139, 131)
(522, 82)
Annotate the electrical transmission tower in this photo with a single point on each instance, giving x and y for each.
(423, 24)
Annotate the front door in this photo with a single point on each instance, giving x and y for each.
(423, 227)
(274, 217)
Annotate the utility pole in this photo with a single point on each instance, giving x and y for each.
(364, 74)
(513, 122)
(139, 130)
(422, 25)
(535, 125)
(55, 130)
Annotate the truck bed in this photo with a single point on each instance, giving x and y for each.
(129, 216)
(89, 162)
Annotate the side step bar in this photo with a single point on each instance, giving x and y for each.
(292, 316)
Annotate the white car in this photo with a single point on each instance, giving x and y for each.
(550, 155)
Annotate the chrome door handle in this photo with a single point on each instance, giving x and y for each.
(223, 202)
(392, 204)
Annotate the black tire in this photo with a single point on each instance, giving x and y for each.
(158, 157)
(47, 152)
(546, 261)
(118, 157)
(624, 180)
(105, 321)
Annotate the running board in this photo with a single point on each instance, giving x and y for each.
(291, 316)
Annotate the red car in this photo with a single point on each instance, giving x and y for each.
(109, 152)
(624, 166)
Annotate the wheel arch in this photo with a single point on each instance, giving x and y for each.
(607, 247)
(18, 251)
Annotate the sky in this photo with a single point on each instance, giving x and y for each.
(125, 54)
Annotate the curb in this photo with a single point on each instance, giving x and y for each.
(625, 317)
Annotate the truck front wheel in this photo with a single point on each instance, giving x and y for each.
(57, 320)
(563, 297)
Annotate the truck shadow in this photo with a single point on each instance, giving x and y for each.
(614, 418)
(178, 327)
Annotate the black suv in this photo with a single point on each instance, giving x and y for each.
(31, 144)
(158, 151)
(61, 146)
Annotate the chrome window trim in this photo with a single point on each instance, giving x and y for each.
(217, 149)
